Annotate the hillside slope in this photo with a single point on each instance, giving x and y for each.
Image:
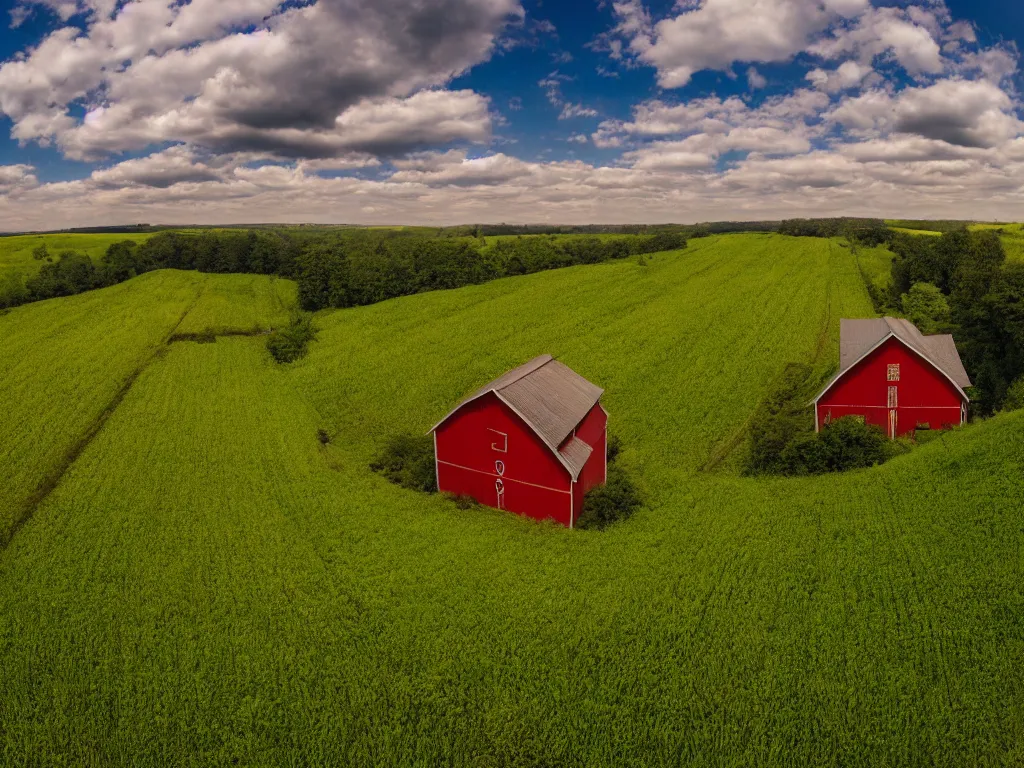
(208, 585)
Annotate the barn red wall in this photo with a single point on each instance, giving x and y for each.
(536, 484)
(593, 431)
(924, 394)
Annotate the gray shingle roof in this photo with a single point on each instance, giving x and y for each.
(858, 337)
(552, 399)
(575, 455)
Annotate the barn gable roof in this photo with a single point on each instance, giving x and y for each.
(859, 338)
(552, 399)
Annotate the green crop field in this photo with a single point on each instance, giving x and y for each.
(208, 585)
(920, 232)
(16, 251)
(1012, 236)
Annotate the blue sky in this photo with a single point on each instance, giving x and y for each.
(451, 111)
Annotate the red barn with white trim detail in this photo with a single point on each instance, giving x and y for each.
(533, 441)
(896, 378)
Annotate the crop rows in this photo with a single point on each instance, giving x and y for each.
(211, 586)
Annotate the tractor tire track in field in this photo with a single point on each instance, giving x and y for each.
(727, 447)
(51, 481)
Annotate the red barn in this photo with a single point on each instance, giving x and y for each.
(895, 377)
(532, 441)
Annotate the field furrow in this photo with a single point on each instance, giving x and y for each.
(209, 585)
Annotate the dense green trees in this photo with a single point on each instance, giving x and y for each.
(985, 297)
(357, 269)
(71, 273)
(870, 232)
(926, 307)
(334, 267)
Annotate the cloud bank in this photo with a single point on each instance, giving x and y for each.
(255, 110)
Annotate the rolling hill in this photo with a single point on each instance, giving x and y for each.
(193, 579)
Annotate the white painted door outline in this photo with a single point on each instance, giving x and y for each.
(501, 446)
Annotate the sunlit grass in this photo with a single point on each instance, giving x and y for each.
(209, 585)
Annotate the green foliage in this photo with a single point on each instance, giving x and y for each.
(845, 444)
(614, 448)
(781, 419)
(461, 501)
(783, 440)
(12, 290)
(287, 345)
(361, 269)
(926, 307)
(868, 232)
(408, 461)
(612, 502)
(984, 295)
(72, 273)
(1014, 400)
(123, 261)
(208, 585)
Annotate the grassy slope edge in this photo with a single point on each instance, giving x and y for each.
(210, 586)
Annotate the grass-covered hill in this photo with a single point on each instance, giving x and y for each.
(193, 579)
(16, 251)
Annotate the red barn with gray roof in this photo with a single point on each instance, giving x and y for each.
(895, 377)
(533, 442)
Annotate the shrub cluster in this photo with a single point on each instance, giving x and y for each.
(783, 440)
(845, 444)
(408, 461)
(616, 500)
(780, 419)
(289, 344)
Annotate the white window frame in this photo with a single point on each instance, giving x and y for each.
(494, 446)
(893, 372)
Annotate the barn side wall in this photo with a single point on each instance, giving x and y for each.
(593, 430)
(924, 395)
(469, 445)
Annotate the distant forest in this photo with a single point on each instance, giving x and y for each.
(956, 283)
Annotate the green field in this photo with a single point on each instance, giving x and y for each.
(208, 585)
(16, 251)
(1012, 236)
(920, 232)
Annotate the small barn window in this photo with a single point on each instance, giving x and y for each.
(501, 443)
(893, 398)
(894, 372)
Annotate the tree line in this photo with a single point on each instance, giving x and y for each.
(348, 272)
(334, 268)
(961, 283)
(69, 272)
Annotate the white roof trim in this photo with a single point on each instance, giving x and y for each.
(860, 359)
(458, 408)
